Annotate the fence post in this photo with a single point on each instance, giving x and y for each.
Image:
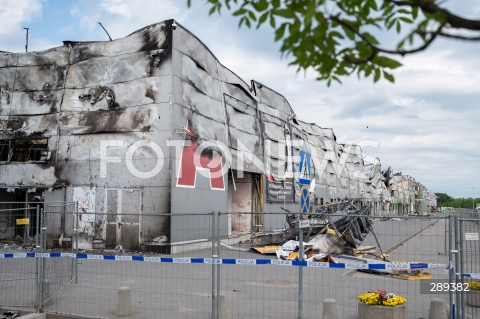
(76, 242)
(43, 244)
(300, 271)
(37, 270)
(213, 265)
(450, 271)
(457, 267)
(218, 265)
(462, 294)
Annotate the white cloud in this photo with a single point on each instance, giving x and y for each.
(121, 17)
(13, 15)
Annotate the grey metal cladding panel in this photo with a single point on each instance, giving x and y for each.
(270, 97)
(24, 126)
(147, 91)
(87, 147)
(27, 175)
(306, 127)
(198, 102)
(276, 166)
(8, 59)
(245, 107)
(58, 56)
(242, 121)
(149, 38)
(238, 93)
(205, 128)
(246, 161)
(249, 142)
(328, 132)
(107, 70)
(30, 103)
(76, 172)
(228, 76)
(142, 118)
(189, 45)
(7, 78)
(269, 110)
(275, 149)
(187, 70)
(274, 132)
(267, 118)
(39, 78)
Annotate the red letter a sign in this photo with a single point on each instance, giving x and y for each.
(190, 163)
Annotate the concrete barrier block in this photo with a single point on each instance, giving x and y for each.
(330, 309)
(124, 306)
(438, 309)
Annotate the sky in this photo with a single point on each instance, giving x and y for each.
(426, 124)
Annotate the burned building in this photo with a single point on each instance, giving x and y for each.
(153, 123)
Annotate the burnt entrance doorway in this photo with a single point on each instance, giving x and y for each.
(245, 203)
(123, 208)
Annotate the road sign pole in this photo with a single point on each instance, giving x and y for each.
(300, 273)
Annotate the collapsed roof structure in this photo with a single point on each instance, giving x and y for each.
(117, 127)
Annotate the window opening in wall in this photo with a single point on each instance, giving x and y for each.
(24, 150)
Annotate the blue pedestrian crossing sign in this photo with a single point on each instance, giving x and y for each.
(304, 177)
(304, 201)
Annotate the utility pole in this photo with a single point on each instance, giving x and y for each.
(26, 45)
(473, 198)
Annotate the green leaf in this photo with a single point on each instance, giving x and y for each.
(373, 4)
(348, 32)
(385, 62)
(280, 31)
(377, 76)
(252, 15)
(212, 10)
(336, 34)
(262, 19)
(414, 12)
(272, 21)
(247, 23)
(407, 20)
(391, 24)
(288, 14)
(276, 3)
(399, 27)
(239, 12)
(260, 5)
(403, 11)
(388, 76)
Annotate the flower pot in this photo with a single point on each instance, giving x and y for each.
(381, 312)
(473, 298)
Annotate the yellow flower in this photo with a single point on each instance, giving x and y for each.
(372, 299)
(474, 285)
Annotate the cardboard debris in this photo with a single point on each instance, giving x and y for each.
(267, 250)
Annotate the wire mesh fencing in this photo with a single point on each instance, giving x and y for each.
(177, 266)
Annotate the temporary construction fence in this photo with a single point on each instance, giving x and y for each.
(23, 281)
(184, 278)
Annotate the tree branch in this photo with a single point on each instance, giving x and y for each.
(459, 37)
(375, 48)
(446, 16)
